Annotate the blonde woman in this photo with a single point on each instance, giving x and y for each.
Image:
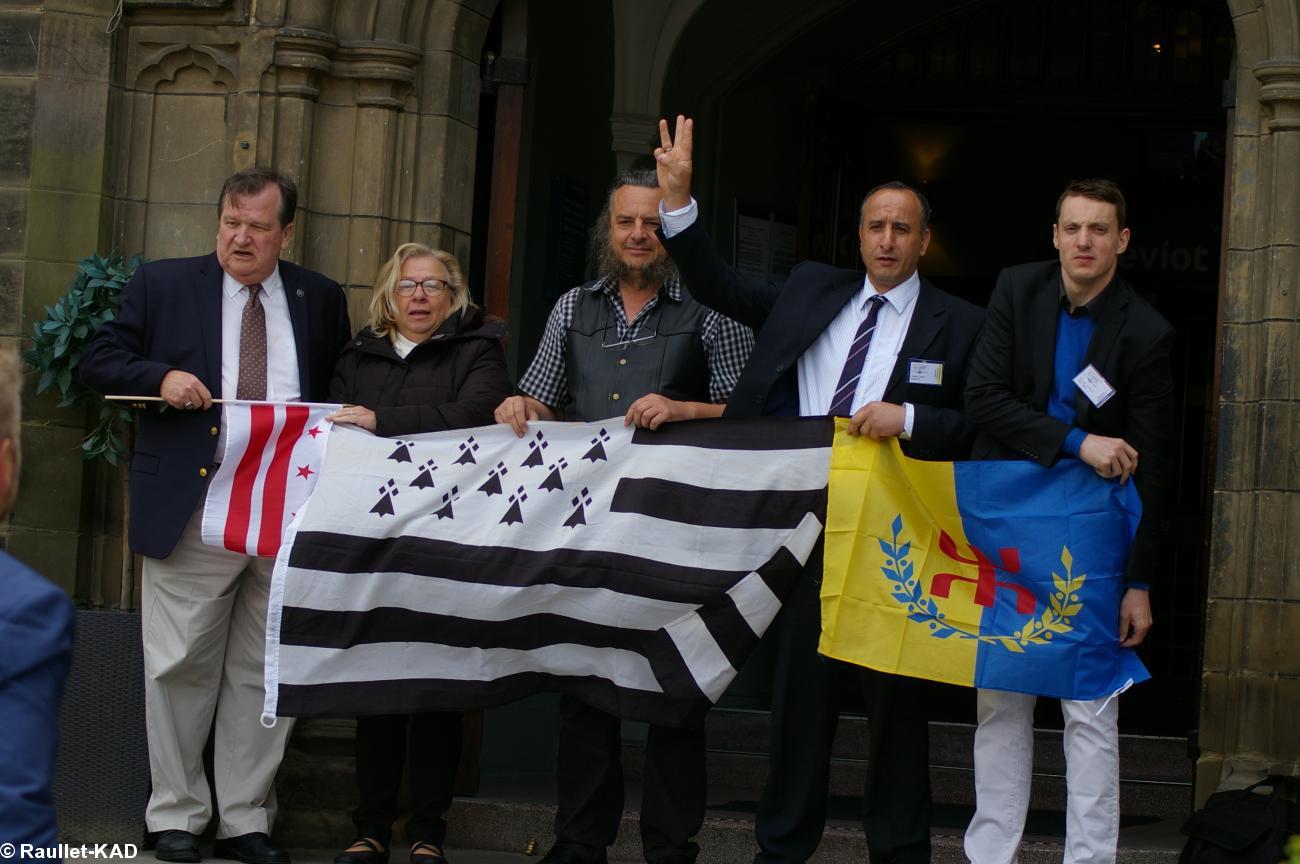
(429, 360)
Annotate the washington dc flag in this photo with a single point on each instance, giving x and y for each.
(273, 455)
(1003, 575)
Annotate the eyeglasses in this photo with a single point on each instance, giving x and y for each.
(432, 287)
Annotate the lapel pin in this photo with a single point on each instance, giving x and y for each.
(301, 293)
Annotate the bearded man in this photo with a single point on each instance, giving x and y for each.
(632, 342)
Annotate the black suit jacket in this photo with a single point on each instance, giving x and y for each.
(170, 318)
(788, 318)
(1011, 379)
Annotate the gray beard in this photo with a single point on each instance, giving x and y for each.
(612, 268)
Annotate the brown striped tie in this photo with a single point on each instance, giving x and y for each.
(252, 348)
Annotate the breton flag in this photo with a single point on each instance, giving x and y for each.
(272, 458)
(635, 570)
(1004, 575)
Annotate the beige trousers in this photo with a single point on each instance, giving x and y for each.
(204, 624)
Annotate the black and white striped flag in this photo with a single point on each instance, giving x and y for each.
(633, 569)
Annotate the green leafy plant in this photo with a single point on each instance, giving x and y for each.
(59, 340)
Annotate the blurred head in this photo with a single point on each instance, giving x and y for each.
(255, 223)
(11, 415)
(1089, 233)
(624, 243)
(419, 307)
(893, 233)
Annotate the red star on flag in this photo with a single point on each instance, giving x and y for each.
(314, 431)
(305, 472)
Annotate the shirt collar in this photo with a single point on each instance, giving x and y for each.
(899, 297)
(1093, 308)
(672, 288)
(270, 285)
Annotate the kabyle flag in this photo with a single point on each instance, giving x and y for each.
(271, 461)
(1004, 575)
(635, 570)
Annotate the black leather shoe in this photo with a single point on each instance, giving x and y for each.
(176, 845)
(568, 855)
(255, 848)
(363, 850)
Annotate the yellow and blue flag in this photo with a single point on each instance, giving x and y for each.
(1004, 575)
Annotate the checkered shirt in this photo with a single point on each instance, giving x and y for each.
(726, 344)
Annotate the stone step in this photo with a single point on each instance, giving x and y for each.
(513, 826)
(317, 773)
(1142, 758)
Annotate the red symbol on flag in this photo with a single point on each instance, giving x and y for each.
(987, 583)
(305, 472)
(314, 431)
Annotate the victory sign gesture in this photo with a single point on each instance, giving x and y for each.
(673, 163)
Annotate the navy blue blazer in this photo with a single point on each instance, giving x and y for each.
(170, 318)
(789, 317)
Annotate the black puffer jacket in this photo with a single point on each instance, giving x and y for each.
(454, 380)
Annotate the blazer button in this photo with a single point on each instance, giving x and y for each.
(622, 361)
(203, 472)
(614, 396)
(214, 431)
(780, 367)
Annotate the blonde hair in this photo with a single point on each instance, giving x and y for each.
(11, 387)
(383, 308)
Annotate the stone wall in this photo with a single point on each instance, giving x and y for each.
(55, 68)
(1251, 695)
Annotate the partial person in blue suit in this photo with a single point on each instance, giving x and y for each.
(35, 650)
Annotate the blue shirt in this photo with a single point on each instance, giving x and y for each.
(1073, 333)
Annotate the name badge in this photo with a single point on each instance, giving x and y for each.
(925, 372)
(1091, 383)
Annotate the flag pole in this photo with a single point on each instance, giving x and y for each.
(120, 398)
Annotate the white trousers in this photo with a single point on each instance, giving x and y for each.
(1004, 762)
(204, 622)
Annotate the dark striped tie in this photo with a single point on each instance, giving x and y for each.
(842, 401)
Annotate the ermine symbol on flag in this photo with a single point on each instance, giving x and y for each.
(597, 451)
(535, 449)
(553, 480)
(424, 480)
(467, 448)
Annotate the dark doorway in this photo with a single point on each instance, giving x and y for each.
(992, 108)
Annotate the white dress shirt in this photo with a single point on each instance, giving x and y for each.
(822, 362)
(282, 381)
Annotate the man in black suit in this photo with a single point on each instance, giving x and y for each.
(889, 351)
(241, 324)
(1072, 364)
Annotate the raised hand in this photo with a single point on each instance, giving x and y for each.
(673, 162)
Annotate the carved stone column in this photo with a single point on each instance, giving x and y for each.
(302, 58)
(1251, 678)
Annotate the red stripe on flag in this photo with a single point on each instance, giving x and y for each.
(261, 419)
(277, 478)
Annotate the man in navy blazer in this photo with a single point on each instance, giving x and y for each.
(897, 370)
(35, 650)
(236, 322)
